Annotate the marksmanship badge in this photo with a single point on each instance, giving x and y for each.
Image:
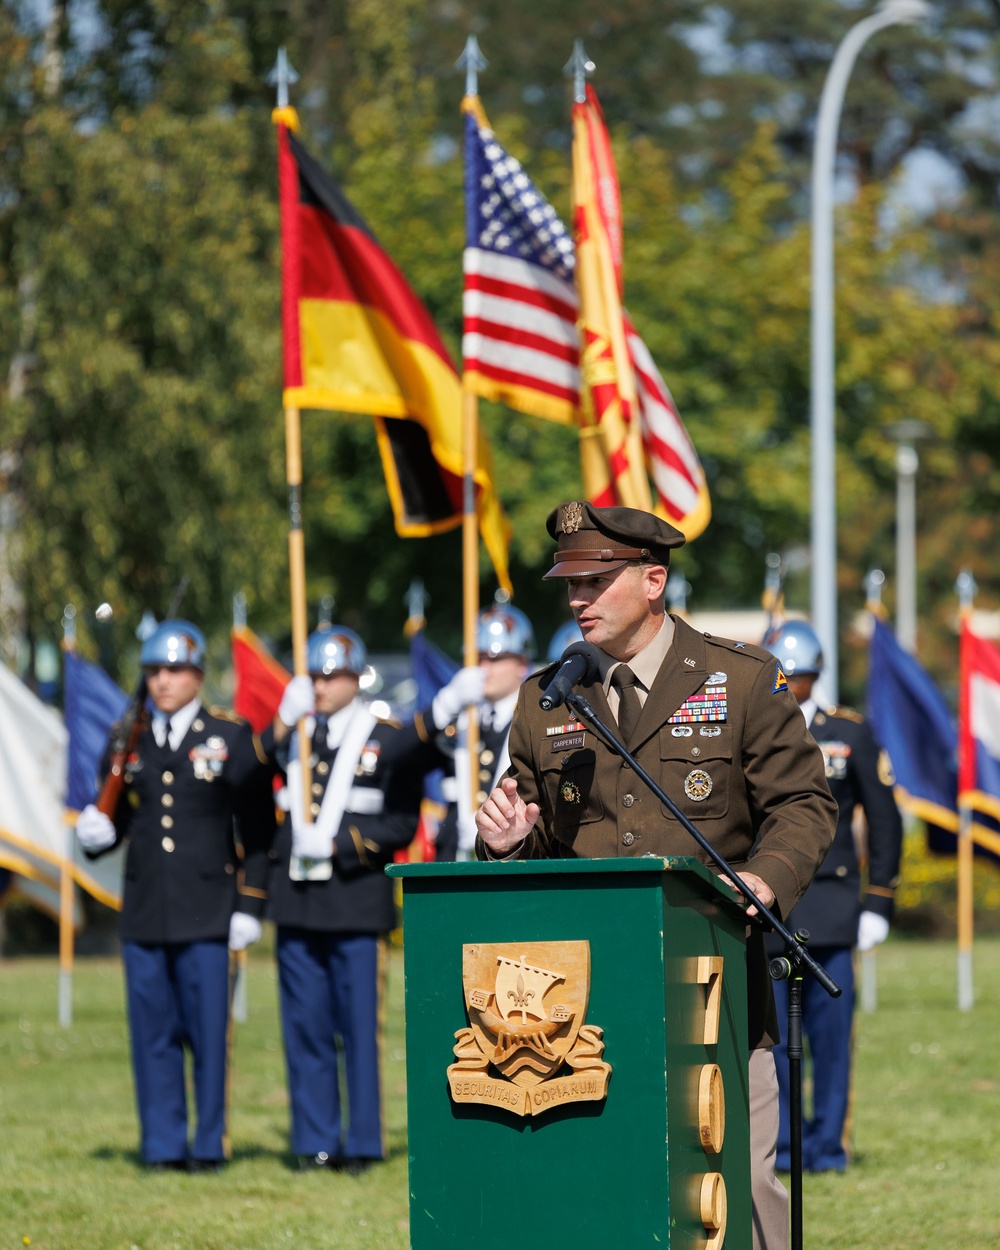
(528, 1048)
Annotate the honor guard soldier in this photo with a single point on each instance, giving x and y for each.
(197, 812)
(568, 632)
(713, 721)
(330, 898)
(506, 645)
(836, 912)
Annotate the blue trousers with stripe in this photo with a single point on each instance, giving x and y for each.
(827, 1025)
(331, 988)
(178, 997)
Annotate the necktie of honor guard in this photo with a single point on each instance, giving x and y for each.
(629, 707)
(319, 733)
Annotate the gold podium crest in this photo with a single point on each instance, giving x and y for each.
(528, 1048)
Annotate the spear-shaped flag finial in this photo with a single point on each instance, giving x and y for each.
(281, 77)
(472, 61)
(874, 581)
(579, 67)
(966, 586)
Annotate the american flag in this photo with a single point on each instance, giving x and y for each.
(673, 464)
(521, 343)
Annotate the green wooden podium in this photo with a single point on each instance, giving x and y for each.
(576, 1048)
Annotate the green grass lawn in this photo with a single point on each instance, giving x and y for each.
(927, 1108)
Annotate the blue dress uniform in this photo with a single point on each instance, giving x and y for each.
(331, 940)
(185, 876)
(859, 774)
(493, 737)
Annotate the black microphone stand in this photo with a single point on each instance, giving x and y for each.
(788, 966)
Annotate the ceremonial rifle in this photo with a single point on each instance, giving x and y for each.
(123, 741)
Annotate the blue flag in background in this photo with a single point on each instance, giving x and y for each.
(432, 669)
(93, 704)
(911, 719)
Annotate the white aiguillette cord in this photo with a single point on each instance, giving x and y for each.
(338, 788)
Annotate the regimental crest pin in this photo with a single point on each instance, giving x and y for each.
(569, 792)
(528, 1047)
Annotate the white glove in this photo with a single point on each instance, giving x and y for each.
(297, 700)
(95, 831)
(311, 843)
(464, 690)
(872, 929)
(244, 930)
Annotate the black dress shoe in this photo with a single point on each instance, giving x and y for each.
(205, 1165)
(355, 1167)
(308, 1163)
(167, 1165)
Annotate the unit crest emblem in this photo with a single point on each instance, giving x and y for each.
(528, 1048)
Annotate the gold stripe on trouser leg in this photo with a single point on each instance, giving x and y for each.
(847, 1137)
(382, 967)
(237, 960)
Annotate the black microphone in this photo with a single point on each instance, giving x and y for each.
(578, 667)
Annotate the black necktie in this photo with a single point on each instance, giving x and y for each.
(166, 735)
(319, 733)
(629, 707)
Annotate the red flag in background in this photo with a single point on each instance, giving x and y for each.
(259, 679)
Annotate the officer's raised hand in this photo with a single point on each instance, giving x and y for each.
(505, 820)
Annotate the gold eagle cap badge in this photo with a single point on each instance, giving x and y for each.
(572, 518)
(528, 1047)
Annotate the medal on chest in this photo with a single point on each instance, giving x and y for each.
(208, 758)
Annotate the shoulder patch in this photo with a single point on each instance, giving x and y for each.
(224, 713)
(780, 680)
(845, 713)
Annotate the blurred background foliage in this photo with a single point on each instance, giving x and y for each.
(141, 435)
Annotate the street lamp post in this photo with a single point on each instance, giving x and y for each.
(823, 476)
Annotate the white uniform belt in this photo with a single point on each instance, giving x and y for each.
(365, 801)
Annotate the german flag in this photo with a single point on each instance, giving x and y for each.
(357, 339)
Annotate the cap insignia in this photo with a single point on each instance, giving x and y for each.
(572, 518)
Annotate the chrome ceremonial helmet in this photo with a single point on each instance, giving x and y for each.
(335, 649)
(568, 632)
(505, 630)
(174, 643)
(797, 648)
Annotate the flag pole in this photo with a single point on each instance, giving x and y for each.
(472, 61)
(966, 587)
(868, 991)
(66, 884)
(297, 579)
(281, 77)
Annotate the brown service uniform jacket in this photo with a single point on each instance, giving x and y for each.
(769, 808)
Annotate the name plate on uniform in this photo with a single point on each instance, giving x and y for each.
(304, 868)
